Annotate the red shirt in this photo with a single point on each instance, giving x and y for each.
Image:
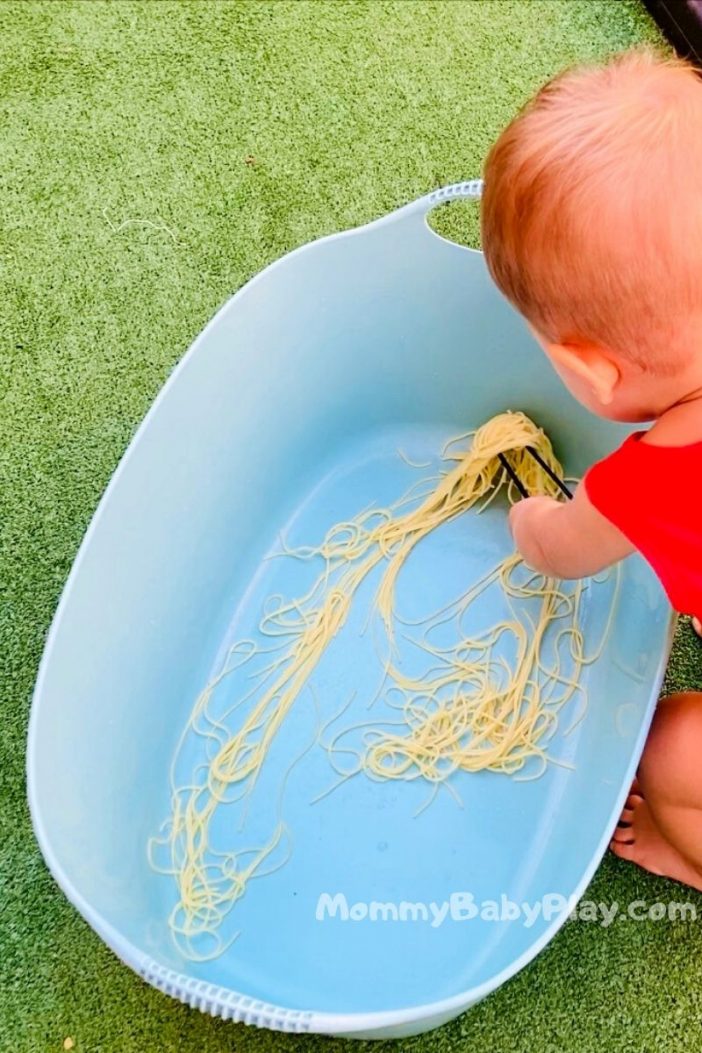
(653, 494)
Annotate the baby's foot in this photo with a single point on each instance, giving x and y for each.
(697, 626)
(638, 839)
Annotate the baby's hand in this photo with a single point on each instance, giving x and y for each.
(529, 521)
(565, 539)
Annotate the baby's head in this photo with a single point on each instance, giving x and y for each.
(592, 227)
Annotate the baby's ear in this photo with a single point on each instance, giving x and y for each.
(594, 365)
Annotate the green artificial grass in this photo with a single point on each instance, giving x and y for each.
(239, 131)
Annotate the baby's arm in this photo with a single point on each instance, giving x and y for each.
(566, 540)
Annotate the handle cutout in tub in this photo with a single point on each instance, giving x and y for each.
(457, 221)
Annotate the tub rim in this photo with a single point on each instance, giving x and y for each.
(223, 1001)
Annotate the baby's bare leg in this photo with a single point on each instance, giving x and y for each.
(660, 828)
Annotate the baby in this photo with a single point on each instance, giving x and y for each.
(592, 227)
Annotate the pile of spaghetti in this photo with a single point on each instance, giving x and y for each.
(474, 708)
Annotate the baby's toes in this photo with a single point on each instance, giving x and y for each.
(623, 849)
(623, 835)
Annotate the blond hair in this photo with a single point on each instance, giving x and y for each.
(592, 207)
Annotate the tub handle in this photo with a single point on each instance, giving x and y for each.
(471, 188)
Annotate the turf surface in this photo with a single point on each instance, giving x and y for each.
(154, 156)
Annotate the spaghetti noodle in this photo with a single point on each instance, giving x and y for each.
(473, 710)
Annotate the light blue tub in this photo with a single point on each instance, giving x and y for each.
(285, 416)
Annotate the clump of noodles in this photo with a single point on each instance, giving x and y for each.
(477, 709)
(483, 723)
